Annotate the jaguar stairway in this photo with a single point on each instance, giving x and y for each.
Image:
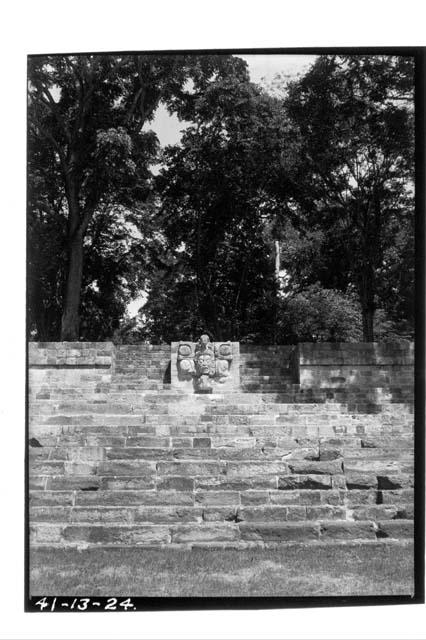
(310, 444)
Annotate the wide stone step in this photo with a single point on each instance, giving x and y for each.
(216, 533)
(220, 514)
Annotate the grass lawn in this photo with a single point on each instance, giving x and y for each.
(354, 569)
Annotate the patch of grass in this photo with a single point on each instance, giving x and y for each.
(332, 570)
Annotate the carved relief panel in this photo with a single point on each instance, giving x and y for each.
(205, 362)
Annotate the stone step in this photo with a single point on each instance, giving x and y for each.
(235, 533)
(203, 513)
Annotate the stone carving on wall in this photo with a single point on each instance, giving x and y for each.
(223, 353)
(206, 362)
(185, 359)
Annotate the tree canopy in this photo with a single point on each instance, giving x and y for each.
(279, 216)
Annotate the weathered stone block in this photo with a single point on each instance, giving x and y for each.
(220, 514)
(45, 533)
(205, 533)
(137, 498)
(304, 482)
(165, 515)
(201, 442)
(262, 514)
(253, 469)
(189, 468)
(127, 468)
(398, 496)
(176, 483)
(50, 514)
(307, 467)
(327, 512)
(46, 468)
(215, 498)
(296, 513)
(151, 442)
(83, 483)
(274, 532)
(132, 482)
(254, 497)
(347, 530)
(131, 535)
(359, 480)
(237, 484)
(395, 481)
(295, 497)
(37, 483)
(396, 529)
(41, 498)
(99, 515)
(138, 453)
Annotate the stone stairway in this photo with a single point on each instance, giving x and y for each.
(266, 369)
(124, 463)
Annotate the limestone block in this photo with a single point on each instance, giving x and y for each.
(221, 514)
(347, 530)
(295, 497)
(71, 482)
(253, 469)
(205, 533)
(132, 482)
(237, 484)
(189, 468)
(165, 515)
(262, 514)
(50, 514)
(46, 468)
(215, 498)
(396, 529)
(254, 497)
(305, 467)
(282, 532)
(175, 483)
(127, 468)
(325, 512)
(304, 482)
(136, 498)
(45, 533)
(99, 515)
(401, 496)
(130, 535)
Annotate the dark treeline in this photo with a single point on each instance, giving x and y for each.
(283, 215)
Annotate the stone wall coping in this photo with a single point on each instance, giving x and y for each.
(360, 354)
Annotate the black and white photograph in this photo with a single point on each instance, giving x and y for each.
(221, 326)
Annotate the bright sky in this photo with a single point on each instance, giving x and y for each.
(262, 68)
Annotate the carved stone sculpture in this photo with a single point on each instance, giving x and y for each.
(185, 360)
(223, 354)
(206, 362)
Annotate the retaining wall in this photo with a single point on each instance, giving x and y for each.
(346, 365)
(118, 457)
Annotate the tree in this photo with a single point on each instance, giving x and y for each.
(353, 181)
(215, 205)
(88, 152)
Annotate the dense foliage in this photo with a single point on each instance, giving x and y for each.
(279, 217)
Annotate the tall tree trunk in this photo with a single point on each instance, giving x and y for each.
(368, 307)
(277, 269)
(71, 314)
(368, 324)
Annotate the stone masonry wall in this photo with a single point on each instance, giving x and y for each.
(346, 365)
(117, 457)
(69, 368)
